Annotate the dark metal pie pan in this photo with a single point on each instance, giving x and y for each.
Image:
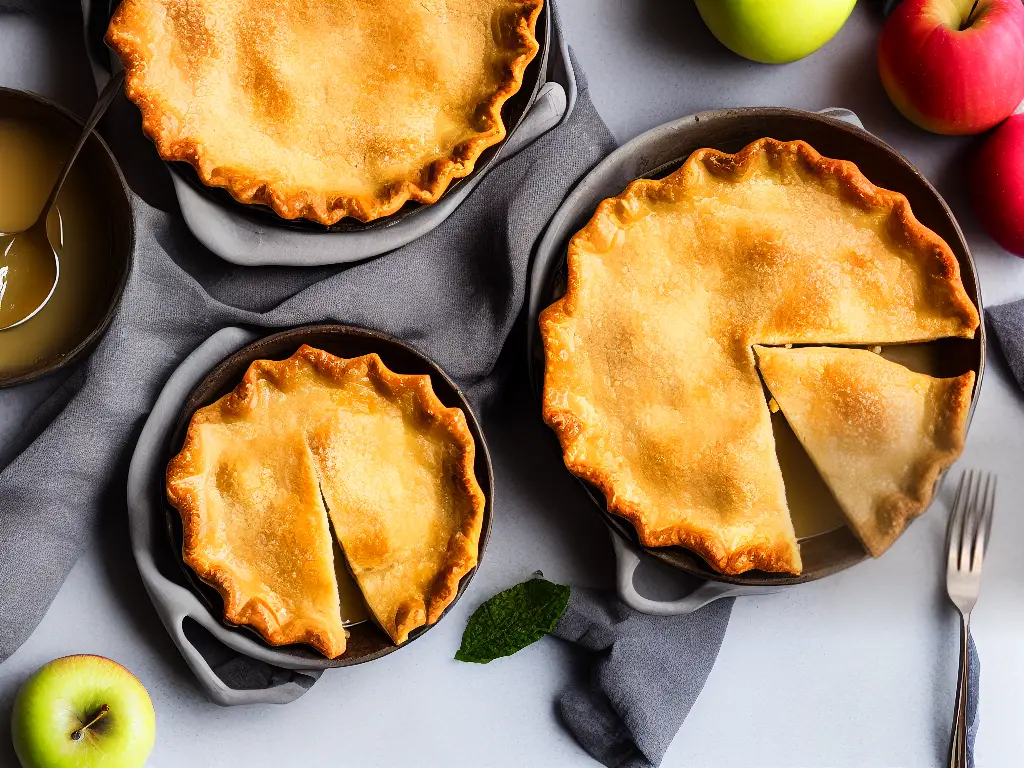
(662, 150)
(366, 641)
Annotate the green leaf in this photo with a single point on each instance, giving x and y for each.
(512, 620)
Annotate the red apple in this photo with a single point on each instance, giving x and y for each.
(997, 185)
(954, 66)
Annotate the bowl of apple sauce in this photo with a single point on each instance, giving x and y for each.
(90, 228)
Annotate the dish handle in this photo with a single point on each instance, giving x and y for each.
(844, 114)
(212, 662)
(628, 560)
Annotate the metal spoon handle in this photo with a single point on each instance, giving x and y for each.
(106, 97)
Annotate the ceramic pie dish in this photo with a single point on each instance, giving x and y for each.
(366, 640)
(524, 33)
(656, 155)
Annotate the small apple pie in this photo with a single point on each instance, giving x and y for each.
(324, 109)
(315, 441)
(651, 381)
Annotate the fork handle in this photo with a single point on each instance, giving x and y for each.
(958, 739)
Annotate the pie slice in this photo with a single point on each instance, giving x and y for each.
(324, 109)
(394, 465)
(650, 378)
(878, 433)
(396, 470)
(255, 526)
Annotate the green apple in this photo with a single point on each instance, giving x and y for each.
(83, 712)
(775, 31)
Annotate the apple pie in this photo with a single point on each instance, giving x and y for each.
(651, 382)
(878, 433)
(324, 109)
(317, 441)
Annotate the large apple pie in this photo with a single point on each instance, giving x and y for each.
(651, 381)
(317, 438)
(325, 109)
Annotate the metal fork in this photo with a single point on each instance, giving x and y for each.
(970, 523)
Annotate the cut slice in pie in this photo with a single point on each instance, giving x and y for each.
(394, 465)
(324, 109)
(650, 378)
(254, 523)
(879, 433)
(396, 470)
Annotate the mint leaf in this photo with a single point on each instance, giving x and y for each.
(512, 620)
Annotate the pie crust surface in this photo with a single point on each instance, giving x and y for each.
(392, 463)
(323, 109)
(878, 432)
(650, 377)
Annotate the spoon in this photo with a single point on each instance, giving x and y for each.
(28, 259)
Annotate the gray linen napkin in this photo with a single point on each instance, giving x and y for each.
(1007, 320)
(647, 673)
(455, 293)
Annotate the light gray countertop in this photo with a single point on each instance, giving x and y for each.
(855, 670)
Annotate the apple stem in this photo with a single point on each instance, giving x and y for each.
(970, 16)
(79, 733)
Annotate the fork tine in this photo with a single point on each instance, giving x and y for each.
(974, 514)
(984, 524)
(970, 503)
(954, 533)
(977, 514)
(991, 510)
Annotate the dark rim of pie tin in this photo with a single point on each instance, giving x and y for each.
(730, 130)
(366, 641)
(512, 113)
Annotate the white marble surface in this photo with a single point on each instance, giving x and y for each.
(856, 670)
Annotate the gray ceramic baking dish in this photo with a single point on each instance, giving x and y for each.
(655, 154)
(253, 235)
(213, 370)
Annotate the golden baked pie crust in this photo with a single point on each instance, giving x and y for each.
(193, 472)
(770, 287)
(143, 35)
(456, 555)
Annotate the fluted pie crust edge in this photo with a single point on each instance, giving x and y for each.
(241, 608)
(129, 38)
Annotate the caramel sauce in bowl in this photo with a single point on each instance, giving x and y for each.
(90, 228)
